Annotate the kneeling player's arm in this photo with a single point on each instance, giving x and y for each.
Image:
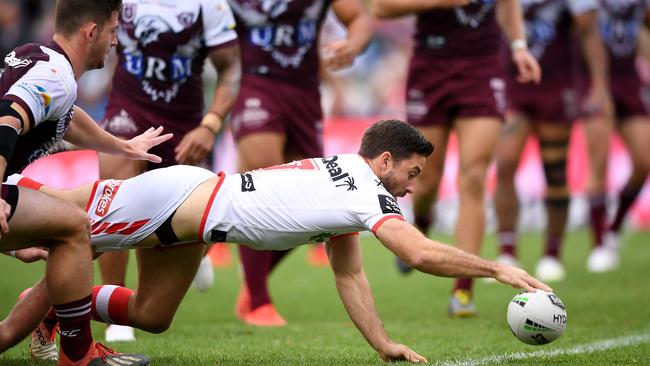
(429, 256)
(353, 288)
(13, 121)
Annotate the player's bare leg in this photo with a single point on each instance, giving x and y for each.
(597, 134)
(426, 189)
(634, 132)
(69, 268)
(477, 140)
(254, 304)
(554, 146)
(113, 265)
(512, 139)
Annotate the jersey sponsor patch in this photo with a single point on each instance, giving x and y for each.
(107, 197)
(388, 205)
(247, 184)
(338, 176)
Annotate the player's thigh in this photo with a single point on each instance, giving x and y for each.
(119, 167)
(261, 149)
(512, 139)
(635, 131)
(39, 218)
(477, 140)
(164, 275)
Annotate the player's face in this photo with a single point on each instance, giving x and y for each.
(105, 40)
(400, 178)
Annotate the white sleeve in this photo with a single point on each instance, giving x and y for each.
(218, 23)
(577, 7)
(46, 93)
(376, 208)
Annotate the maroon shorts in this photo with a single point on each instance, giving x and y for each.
(10, 195)
(268, 105)
(440, 89)
(631, 97)
(551, 101)
(127, 122)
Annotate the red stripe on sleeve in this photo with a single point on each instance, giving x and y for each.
(206, 212)
(384, 219)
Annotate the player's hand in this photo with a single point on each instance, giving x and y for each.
(518, 278)
(528, 69)
(338, 54)
(599, 102)
(29, 255)
(194, 146)
(399, 352)
(137, 147)
(5, 211)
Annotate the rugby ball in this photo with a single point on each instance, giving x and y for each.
(537, 317)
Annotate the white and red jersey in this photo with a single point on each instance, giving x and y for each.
(124, 212)
(41, 80)
(302, 202)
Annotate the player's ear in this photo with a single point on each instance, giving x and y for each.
(386, 159)
(89, 30)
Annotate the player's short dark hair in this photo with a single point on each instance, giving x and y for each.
(72, 14)
(399, 138)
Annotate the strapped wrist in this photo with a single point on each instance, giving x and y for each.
(518, 44)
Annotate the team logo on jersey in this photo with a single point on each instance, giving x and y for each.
(342, 179)
(107, 197)
(388, 204)
(46, 98)
(186, 18)
(128, 12)
(320, 237)
(247, 184)
(12, 61)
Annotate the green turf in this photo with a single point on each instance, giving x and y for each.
(413, 308)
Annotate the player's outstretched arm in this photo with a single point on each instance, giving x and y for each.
(351, 282)
(431, 257)
(86, 134)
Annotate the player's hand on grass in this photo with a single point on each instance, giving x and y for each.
(5, 211)
(194, 146)
(518, 278)
(29, 255)
(399, 352)
(137, 147)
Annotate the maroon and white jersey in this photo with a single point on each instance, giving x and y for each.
(548, 32)
(620, 22)
(462, 31)
(306, 201)
(41, 80)
(162, 48)
(124, 212)
(279, 38)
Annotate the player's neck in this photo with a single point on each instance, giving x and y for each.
(75, 53)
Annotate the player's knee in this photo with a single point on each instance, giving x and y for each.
(77, 226)
(472, 183)
(506, 169)
(155, 324)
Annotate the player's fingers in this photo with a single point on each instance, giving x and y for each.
(153, 158)
(160, 139)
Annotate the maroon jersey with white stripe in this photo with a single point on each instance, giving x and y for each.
(162, 48)
(462, 31)
(41, 80)
(278, 39)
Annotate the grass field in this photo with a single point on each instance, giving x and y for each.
(609, 316)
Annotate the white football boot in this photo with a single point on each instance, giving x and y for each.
(204, 277)
(550, 269)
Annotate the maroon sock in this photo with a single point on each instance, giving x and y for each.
(51, 320)
(256, 265)
(508, 242)
(463, 284)
(553, 245)
(74, 324)
(625, 199)
(597, 216)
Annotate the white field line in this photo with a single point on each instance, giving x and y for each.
(598, 346)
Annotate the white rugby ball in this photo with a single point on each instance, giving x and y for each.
(537, 317)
